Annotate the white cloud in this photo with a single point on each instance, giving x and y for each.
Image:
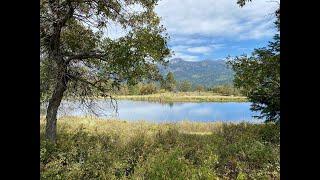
(188, 40)
(185, 57)
(190, 52)
(200, 49)
(199, 29)
(179, 48)
(217, 17)
(260, 30)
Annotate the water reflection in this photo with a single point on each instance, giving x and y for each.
(164, 112)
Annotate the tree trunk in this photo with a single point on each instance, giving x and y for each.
(55, 54)
(54, 103)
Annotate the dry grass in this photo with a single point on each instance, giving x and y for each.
(185, 97)
(127, 130)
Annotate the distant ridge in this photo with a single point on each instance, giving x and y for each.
(207, 72)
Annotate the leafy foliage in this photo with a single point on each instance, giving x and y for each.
(258, 76)
(78, 61)
(93, 60)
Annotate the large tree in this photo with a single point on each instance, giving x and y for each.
(77, 59)
(258, 76)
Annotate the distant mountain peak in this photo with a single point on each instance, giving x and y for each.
(206, 72)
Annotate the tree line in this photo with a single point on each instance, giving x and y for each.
(169, 84)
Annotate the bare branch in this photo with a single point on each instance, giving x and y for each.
(103, 90)
(93, 84)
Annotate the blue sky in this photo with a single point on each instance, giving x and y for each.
(214, 29)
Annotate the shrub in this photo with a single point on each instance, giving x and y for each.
(226, 90)
(248, 150)
(134, 152)
(149, 88)
(167, 139)
(173, 165)
(134, 89)
(199, 88)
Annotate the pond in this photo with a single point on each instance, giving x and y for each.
(163, 112)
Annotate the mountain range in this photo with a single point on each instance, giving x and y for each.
(207, 72)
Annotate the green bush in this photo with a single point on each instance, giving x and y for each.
(249, 149)
(133, 153)
(134, 89)
(149, 88)
(226, 90)
(173, 165)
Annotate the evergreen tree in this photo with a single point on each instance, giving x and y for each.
(258, 76)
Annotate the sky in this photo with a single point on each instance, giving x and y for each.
(214, 29)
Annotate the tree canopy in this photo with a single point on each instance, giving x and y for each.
(77, 59)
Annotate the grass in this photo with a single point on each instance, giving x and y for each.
(92, 148)
(184, 97)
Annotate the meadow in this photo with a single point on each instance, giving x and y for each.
(93, 148)
(184, 97)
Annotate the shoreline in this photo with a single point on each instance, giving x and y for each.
(183, 97)
(183, 126)
(175, 97)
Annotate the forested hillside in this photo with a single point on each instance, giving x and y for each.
(208, 72)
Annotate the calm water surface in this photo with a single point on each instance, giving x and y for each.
(159, 112)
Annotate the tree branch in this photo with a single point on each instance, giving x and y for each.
(93, 84)
(86, 55)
